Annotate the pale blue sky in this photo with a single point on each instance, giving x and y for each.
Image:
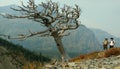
(101, 14)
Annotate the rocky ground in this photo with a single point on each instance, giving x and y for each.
(112, 62)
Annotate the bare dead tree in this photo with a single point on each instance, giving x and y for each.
(57, 20)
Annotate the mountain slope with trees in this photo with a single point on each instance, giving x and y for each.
(16, 57)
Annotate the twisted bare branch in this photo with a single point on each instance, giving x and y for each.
(23, 36)
(51, 16)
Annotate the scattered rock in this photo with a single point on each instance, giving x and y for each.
(104, 63)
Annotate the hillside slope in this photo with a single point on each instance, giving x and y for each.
(97, 55)
(16, 57)
(7, 61)
(108, 59)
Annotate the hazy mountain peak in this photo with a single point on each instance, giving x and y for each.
(101, 35)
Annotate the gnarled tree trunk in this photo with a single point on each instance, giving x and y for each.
(64, 55)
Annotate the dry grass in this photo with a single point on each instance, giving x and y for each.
(32, 65)
(84, 57)
(112, 52)
(97, 55)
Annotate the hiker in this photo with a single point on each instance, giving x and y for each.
(105, 44)
(112, 42)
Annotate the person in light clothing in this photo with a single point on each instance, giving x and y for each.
(112, 42)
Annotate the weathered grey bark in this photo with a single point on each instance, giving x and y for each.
(64, 55)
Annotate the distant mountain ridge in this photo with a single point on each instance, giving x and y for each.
(7, 9)
(79, 42)
(101, 35)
